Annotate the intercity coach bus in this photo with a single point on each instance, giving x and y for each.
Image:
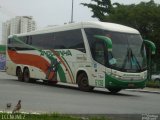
(90, 54)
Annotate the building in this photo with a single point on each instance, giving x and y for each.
(17, 25)
(5, 31)
(27, 24)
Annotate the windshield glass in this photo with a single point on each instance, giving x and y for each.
(128, 53)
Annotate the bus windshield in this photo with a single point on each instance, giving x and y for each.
(128, 52)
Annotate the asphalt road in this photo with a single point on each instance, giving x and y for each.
(38, 97)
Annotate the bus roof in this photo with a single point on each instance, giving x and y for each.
(100, 25)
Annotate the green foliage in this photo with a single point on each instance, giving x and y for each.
(54, 116)
(99, 8)
(153, 84)
(144, 16)
(2, 48)
(49, 117)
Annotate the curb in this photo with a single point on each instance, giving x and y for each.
(144, 91)
(34, 113)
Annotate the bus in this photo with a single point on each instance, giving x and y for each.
(89, 54)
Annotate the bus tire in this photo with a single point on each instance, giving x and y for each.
(114, 90)
(33, 80)
(52, 82)
(82, 81)
(49, 82)
(45, 82)
(19, 74)
(26, 75)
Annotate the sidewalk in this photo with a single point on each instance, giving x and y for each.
(147, 90)
(4, 75)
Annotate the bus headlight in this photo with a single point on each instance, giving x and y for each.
(116, 76)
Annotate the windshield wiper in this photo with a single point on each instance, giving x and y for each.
(131, 58)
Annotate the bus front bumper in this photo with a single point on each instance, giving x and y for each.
(112, 82)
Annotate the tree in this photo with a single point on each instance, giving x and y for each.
(143, 16)
(99, 8)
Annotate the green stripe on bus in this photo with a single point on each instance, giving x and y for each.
(60, 71)
(61, 74)
(69, 68)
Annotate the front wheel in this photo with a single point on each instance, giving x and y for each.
(114, 90)
(83, 84)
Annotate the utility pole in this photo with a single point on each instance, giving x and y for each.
(72, 12)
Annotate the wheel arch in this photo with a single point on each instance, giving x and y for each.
(79, 72)
(26, 67)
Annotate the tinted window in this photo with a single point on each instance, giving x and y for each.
(69, 40)
(17, 44)
(59, 40)
(90, 32)
(42, 41)
(99, 52)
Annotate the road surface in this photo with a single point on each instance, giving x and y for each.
(38, 97)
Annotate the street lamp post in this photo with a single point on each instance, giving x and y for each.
(72, 12)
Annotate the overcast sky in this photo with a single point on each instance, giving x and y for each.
(50, 12)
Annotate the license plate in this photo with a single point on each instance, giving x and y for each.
(130, 85)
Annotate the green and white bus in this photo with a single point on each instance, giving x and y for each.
(90, 54)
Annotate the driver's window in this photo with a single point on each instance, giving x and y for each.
(99, 52)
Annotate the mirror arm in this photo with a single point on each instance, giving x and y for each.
(107, 40)
(151, 46)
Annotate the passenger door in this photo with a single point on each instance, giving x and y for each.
(100, 61)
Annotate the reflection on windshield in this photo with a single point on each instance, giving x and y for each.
(131, 60)
(129, 52)
(111, 59)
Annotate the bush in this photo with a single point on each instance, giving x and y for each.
(153, 84)
(54, 116)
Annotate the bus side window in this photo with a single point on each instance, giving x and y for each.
(9, 41)
(71, 39)
(99, 52)
(30, 40)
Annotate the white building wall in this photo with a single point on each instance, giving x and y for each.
(17, 25)
(33, 25)
(24, 25)
(5, 32)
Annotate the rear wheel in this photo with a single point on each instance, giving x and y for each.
(49, 82)
(114, 90)
(82, 81)
(19, 74)
(52, 82)
(26, 75)
(33, 80)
